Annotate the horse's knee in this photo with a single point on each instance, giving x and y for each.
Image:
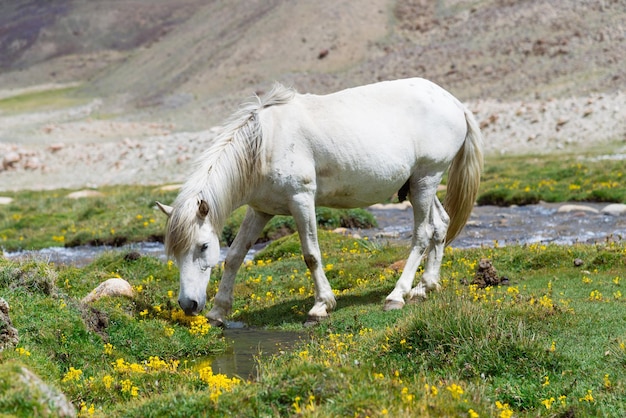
(311, 262)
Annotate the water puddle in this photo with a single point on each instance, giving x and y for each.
(245, 345)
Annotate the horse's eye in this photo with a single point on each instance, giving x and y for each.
(204, 247)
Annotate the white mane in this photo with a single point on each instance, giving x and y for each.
(224, 173)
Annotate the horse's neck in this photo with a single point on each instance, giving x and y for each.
(229, 185)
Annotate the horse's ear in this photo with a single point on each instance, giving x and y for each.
(203, 209)
(165, 209)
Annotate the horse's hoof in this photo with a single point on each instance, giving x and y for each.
(313, 320)
(417, 299)
(216, 322)
(392, 305)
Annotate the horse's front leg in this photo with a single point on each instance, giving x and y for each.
(303, 211)
(249, 231)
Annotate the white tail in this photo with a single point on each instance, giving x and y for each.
(464, 179)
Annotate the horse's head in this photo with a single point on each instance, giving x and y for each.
(195, 245)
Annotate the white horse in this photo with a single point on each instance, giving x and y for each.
(287, 153)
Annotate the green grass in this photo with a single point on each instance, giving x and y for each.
(41, 100)
(557, 331)
(524, 180)
(126, 214)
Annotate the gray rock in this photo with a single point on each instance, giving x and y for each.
(50, 398)
(8, 334)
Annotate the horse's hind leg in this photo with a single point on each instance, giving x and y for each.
(423, 191)
(303, 210)
(249, 231)
(430, 278)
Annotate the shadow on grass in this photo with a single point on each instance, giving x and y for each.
(294, 311)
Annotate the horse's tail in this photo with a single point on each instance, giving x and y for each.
(464, 178)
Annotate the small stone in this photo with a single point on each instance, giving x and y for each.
(56, 147)
(576, 208)
(110, 287)
(392, 206)
(615, 209)
(10, 160)
(398, 266)
(578, 262)
(85, 193)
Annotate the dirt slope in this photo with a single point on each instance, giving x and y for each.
(150, 79)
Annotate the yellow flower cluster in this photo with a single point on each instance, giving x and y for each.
(455, 390)
(198, 325)
(22, 351)
(127, 387)
(154, 364)
(504, 409)
(218, 383)
(72, 374)
(297, 407)
(86, 410)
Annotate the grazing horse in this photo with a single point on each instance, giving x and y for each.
(286, 153)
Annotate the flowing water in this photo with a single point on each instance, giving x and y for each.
(541, 223)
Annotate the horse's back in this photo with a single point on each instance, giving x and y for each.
(361, 144)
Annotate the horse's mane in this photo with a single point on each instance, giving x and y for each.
(224, 173)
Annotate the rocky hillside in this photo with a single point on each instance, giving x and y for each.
(87, 72)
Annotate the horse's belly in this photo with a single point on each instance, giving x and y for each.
(351, 190)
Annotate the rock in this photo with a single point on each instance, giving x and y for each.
(5, 200)
(392, 206)
(615, 209)
(110, 287)
(85, 193)
(10, 160)
(56, 147)
(43, 400)
(568, 208)
(398, 266)
(8, 334)
(33, 163)
(578, 262)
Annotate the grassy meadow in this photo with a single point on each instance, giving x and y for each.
(550, 343)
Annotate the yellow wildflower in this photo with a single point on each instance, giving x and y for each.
(547, 403)
(455, 390)
(107, 380)
(72, 374)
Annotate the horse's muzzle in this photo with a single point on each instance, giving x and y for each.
(190, 307)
